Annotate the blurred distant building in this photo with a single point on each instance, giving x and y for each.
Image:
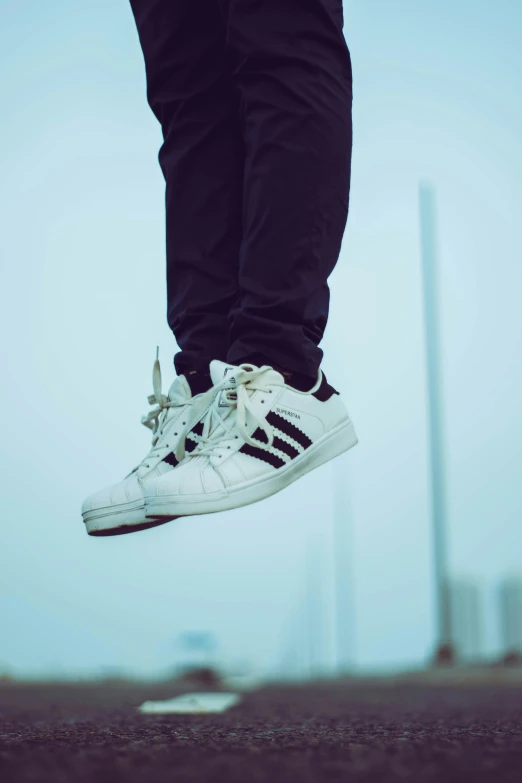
(510, 605)
(466, 614)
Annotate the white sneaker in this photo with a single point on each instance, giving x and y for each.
(120, 508)
(259, 436)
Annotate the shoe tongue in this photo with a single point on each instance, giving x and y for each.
(220, 370)
(180, 387)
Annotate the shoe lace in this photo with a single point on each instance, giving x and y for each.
(156, 419)
(234, 392)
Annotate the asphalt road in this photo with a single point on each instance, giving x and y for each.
(339, 732)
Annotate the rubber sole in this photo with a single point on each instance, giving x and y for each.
(114, 522)
(331, 445)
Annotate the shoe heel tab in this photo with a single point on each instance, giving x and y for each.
(324, 391)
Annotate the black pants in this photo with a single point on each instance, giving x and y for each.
(254, 98)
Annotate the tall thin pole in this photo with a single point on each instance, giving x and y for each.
(314, 601)
(343, 580)
(445, 649)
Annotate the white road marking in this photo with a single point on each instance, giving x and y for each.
(191, 703)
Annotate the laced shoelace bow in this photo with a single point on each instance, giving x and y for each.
(237, 390)
(156, 418)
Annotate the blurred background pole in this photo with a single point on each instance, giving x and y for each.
(445, 653)
(314, 606)
(343, 577)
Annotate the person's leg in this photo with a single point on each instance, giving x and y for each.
(191, 92)
(293, 72)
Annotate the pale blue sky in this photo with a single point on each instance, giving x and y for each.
(436, 96)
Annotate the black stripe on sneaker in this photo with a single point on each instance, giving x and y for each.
(289, 429)
(266, 456)
(190, 445)
(286, 448)
(197, 429)
(170, 459)
(260, 435)
(279, 443)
